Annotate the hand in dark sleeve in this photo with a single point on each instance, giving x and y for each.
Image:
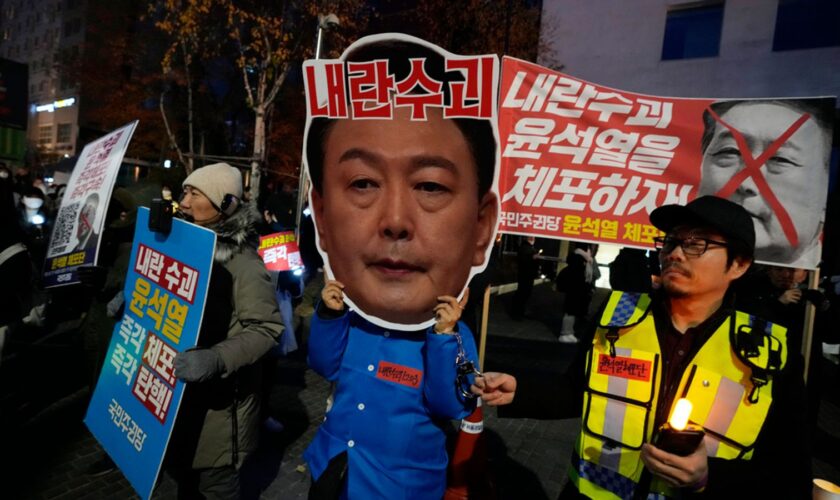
(198, 365)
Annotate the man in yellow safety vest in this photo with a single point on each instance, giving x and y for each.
(683, 341)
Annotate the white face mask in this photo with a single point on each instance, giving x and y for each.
(32, 203)
(4, 174)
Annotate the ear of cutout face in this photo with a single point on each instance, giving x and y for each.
(488, 218)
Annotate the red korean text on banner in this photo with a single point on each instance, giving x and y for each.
(403, 375)
(624, 367)
(372, 91)
(586, 162)
(280, 252)
(167, 272)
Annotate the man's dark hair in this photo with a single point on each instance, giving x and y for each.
(477, 132)
(738, 249)
(821, 110)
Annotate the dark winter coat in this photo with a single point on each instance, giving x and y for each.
(572, 281)
(218, 423)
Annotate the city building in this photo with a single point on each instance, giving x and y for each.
(39, 33)
(13, 111)
(690, 48)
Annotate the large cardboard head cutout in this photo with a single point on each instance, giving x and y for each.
(401, 145)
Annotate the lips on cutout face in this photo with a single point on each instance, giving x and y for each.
(399, 215)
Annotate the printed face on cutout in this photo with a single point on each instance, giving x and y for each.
(795, 169)
(399, 214)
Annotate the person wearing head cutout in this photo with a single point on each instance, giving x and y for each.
(405, 213)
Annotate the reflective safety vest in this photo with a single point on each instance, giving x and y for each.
(729, 382)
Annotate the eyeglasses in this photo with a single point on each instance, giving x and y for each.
(691, 246)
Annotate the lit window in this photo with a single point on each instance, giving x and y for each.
(44, 135)
(64, 133)
(693, 32)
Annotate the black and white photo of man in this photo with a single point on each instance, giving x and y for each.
(772, 158)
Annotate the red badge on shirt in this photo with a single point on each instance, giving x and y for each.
(619, 366)
(400, 374)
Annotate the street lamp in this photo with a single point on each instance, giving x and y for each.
(325, 22)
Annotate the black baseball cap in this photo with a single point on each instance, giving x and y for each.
(728, 218)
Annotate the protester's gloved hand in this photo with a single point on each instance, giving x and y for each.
(791, 296)
(115, 305)
(198, 365)
(92, 276)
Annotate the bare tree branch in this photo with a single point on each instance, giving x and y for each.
(187, 60)
(172, 141)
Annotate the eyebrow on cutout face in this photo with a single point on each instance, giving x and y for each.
(762, 139)
(417, 162)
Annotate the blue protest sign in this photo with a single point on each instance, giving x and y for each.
(136, 399)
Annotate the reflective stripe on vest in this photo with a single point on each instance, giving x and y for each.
(608, 479)
(719, 386)
(622, 391)
(626, 309)
(617, 403)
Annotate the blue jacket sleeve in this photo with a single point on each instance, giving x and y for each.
(440, 388)
(327, 341)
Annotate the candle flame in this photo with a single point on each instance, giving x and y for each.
(679, 417)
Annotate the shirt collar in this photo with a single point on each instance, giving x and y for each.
(662, 314)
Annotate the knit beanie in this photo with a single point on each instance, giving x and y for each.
(215, 181)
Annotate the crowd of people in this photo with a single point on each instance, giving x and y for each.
(386, 328)
(27, 210)
(691, 303)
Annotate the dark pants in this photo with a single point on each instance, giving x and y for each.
(520, 298)
(333, 481)
(217, 483)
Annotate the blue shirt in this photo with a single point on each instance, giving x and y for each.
(396, 390)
